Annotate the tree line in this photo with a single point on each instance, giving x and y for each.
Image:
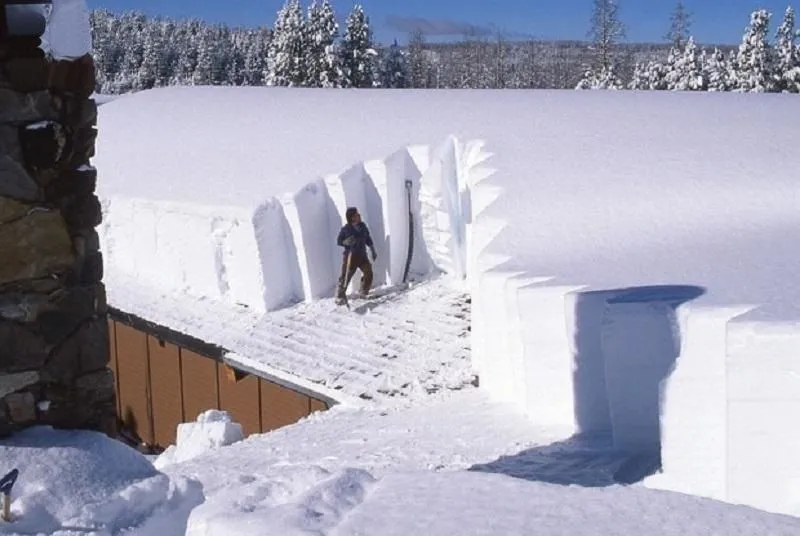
(308, 48)
(757, 65)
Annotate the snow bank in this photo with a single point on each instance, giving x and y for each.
(212, 430)
(84, 479)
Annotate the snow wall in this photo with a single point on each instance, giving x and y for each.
(653, 367)
(285, 250)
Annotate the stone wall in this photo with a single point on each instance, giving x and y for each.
(54, 348)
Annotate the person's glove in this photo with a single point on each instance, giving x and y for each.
(349, 241)
(374, 255)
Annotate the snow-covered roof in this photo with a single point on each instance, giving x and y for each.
(603, 189)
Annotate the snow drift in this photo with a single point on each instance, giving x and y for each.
(627, 253)
(84, 481)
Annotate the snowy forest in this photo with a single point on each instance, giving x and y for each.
(308, 48)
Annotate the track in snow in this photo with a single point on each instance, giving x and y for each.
(403, 345)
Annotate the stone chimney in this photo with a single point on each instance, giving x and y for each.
(54, 346)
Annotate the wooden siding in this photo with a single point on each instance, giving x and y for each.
(200, 391)
(134, 381)
(240, 397)
(161, 384)
(165, 382)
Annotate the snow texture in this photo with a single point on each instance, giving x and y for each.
(454, 464)
(84, 482)
(68, 34)
(651, 250)
(212, 430)
(398, 347)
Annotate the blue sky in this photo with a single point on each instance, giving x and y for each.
(714, 21)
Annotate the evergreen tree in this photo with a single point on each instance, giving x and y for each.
(286, 54)
(688, 71)
(324, 68)
(357, 51)
(717, 71)
(604, 79)
(639, 80)
(754, 68)
(392, 72)
(255, 60)
(788, 55)
(680, 26)
(417, 60)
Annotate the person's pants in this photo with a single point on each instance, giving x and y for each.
(357, 263)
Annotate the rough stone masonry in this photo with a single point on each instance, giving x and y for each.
(54, 349)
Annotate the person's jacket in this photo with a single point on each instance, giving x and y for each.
(355, 238)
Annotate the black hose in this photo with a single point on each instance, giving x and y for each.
(409, 186)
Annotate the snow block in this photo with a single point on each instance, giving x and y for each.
(549, 361)
(279, 266)
(443, 224)
(201, 251)
(497, 372)
(479, 314)
(763, 373)
(400, 167)
(212, 430)
(694, 407)
(377, 208)
(308, 214)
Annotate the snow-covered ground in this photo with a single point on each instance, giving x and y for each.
(456, 463)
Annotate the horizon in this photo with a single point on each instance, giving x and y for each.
(646, 21)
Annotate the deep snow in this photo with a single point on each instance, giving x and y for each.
(600, 233)
(203, 210)
(694, 200)
(83, 482)
(456, 463)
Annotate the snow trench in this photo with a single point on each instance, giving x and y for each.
(284, 251)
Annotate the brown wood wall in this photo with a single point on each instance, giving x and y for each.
(160, 385)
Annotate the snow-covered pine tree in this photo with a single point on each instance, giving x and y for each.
(206, 72)
(787, 68)
(656, 75)
(322, 30)
(687, 73)
(286, 61)
(755, 61)
(357, 51)
(717, 70)
(639, 79)
(153, 56)
(392, 72)
(604, 79)
(187, 42)
(255, 57)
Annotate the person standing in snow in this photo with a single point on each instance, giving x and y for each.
(354, 237)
